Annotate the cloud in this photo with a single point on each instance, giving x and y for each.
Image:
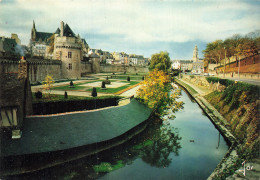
(132, 23)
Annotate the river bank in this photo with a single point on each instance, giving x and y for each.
(231, 159)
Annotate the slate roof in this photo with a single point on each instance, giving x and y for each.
(68, 32)
(53, 133)
(57, 31)
(43, 36)
(94, 55)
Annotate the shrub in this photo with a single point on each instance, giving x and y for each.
(65, 95)
(107, 81)
(103, 84)
(128, 78)
(38, 94)
(71, 83)
(192, 76)
(94, 92)
(143, 78)
(225, 82)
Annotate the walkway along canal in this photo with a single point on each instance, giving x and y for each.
(187, 147)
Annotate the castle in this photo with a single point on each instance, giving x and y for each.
(65, 46)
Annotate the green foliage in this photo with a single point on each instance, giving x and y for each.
(107, 167)
(57, 98)
(160, 61)
(233, 93)
(38, 94)
(192, 76)
(128, 78)
(225, 82)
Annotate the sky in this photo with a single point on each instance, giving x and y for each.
(140, 27)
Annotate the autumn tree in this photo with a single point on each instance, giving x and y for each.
(155, 92)
(160, 61)
(51, 43)
(237, 45)
(48, 84)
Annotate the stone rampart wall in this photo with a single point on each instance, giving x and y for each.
(120, 68)
(38, 69)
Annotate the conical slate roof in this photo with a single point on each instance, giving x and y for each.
(57, 31)
(68, 32)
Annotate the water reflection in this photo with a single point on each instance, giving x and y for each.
(165, 141)
(161, 151)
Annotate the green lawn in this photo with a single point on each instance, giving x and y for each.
(115, 90)
(108, 90)
(76, 86)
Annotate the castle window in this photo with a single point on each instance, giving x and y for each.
(70, 66)
(69, 54)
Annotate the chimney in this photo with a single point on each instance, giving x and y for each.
(23, 68)
(61, 28)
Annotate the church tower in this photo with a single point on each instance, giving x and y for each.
(195, 57)
(33, 32)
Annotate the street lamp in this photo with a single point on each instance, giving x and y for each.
(225, 61)
(238, 65)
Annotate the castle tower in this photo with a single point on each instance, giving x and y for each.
(195, 57)
(68, 50)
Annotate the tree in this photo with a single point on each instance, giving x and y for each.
(155, 92)
(51, 43)
(160, 61)
(48, 84)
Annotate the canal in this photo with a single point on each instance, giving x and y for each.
(187, 147)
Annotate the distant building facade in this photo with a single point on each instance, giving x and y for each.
(7, 46)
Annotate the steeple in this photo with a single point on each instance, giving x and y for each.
(33, 25)
(195, 57)
(33, 32)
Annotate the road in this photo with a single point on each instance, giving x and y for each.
(249, 81)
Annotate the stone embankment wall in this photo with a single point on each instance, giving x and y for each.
(202, 81)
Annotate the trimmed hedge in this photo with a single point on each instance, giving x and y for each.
(42, 108)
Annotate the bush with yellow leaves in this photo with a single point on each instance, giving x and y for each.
(157, 93)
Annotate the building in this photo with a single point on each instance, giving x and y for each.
(39, 41)
(195, 57)
(198, 65)
(138, 60)
(15, 99)
(7, 47)
(68, 49)
(176, 65)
